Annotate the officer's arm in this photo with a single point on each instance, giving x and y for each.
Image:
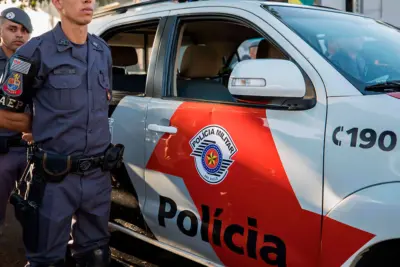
(17, 88)
(20, 122)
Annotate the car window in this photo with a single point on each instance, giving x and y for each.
(364, 50)
(131, 48)
(202, 71)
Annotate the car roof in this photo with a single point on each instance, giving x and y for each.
(158, 5)
(108, 13)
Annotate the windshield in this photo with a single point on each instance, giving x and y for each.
(364, 50)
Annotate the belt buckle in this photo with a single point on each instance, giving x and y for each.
(84, 165)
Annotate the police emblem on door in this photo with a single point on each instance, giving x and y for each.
(212, 149)
(13, 85)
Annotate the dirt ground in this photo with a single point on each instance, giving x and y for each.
(11, 247)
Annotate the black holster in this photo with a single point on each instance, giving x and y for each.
(113, 157)
(26, 205)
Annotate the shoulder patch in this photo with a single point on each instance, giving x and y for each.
(13, 85)
(28, 49)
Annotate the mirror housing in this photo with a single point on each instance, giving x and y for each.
(266, 78)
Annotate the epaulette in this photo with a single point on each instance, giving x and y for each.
(27, 50)
(100, 39)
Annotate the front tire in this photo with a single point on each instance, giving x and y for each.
(386, 254)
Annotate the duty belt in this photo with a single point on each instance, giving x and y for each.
(55, 166)
(80, 165)
(16, 142)
(12, 141)
(7, 142)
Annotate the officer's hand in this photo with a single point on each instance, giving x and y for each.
(27, 137)
(20, 122)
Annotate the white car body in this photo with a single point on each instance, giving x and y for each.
(320, 198)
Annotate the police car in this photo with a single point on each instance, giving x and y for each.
(287, 157)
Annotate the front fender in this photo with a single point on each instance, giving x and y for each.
(374, 210)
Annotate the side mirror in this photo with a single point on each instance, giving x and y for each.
(267, 78)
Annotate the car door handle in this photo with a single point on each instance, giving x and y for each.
(163, 129)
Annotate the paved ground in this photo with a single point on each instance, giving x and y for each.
(145, 255)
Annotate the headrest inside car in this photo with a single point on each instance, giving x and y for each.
(123, 56)
(200, 62)
(267, 50)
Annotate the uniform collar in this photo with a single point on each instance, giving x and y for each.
(63, 43)
(61, 40)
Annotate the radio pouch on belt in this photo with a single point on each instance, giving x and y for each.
(53, 167)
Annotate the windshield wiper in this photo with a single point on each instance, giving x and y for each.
(388, 86)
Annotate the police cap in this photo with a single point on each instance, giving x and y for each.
(19, 16)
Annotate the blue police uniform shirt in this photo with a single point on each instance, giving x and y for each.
(3, 64)
(72, 90)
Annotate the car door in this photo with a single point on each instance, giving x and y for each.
(238, 184)
(134, 43)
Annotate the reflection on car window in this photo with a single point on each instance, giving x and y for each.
(248, 49)
(364, 50)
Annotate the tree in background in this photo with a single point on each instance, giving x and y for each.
(35, 3)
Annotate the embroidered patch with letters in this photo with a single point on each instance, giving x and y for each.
(20, 66)
(13, 85)
(10, 103)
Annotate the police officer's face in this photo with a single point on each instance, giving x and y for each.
(13, 35)
(78, 11)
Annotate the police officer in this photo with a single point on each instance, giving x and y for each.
(66, 73)
(15, 30)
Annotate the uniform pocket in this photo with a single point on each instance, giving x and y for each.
(102, 91)
(62, 84)
(64, 81)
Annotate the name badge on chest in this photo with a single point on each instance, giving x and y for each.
(64, 71)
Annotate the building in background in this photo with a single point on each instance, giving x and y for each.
(385, 10)
(302, 2)
(299, 2)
